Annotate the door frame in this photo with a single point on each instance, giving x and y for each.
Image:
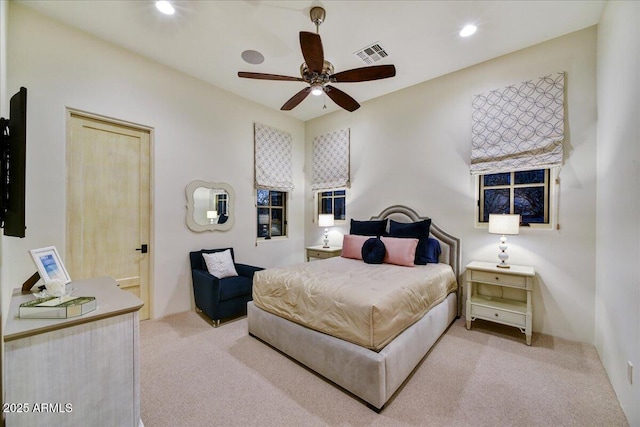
(119, 122)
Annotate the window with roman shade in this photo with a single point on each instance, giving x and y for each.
(519, 128)
(331, 166)
(273, 159)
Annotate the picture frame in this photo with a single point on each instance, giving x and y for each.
(49, 264)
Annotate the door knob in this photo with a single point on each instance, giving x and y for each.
(143, 249)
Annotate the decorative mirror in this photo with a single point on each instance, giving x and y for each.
(209, 206)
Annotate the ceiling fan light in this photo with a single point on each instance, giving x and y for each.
(468, 30)
(317, 90)
(165, 7)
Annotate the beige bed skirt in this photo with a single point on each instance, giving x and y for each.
(372, 376)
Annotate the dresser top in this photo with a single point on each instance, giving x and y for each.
(111, 300)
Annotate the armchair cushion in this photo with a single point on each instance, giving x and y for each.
(220, 264)
(232, 287)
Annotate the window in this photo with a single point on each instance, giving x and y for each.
(222, 202)
(334, 202)
(272, 213)
(526, 193)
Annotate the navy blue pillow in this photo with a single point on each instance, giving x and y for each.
(373, 251)
(368, 228)
(415, 230)
(433, 251)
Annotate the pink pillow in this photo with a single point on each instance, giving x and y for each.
(400, 251)
(352, 245)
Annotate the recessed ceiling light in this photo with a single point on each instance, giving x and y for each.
(468, 30)
(165, 7)
(252, 57)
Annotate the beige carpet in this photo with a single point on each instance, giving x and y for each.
(195, 375)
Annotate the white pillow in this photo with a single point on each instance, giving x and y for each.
(220, 264)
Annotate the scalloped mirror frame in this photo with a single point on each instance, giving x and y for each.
(192, 224)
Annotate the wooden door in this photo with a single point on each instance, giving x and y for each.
(108, 204)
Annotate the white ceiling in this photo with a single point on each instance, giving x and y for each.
(206, 38)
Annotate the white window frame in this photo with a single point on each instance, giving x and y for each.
(346, 203)
(285, 216)
(552, 204)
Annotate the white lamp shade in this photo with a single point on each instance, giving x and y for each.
(504, 224)
(263, 219)
(325, 220)
(212, 214)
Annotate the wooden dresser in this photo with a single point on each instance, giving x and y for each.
(81, 371)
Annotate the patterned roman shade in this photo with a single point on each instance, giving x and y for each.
(273, 158)
(518, 128)
(331, 168)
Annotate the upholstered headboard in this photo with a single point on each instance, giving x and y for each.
(450, 245)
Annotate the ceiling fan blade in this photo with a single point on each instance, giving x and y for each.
(296, 99)
(262, 76)
(312, 51)
(365, 74)
(341, 98)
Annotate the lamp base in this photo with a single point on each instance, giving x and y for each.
(326, 238)
(503, 256)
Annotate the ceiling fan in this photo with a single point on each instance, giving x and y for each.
(318, 73)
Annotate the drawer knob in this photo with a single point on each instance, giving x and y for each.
(497, 278)
(497, 314)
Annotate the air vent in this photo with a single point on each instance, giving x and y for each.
(372, 53)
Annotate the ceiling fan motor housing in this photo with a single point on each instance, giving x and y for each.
(317, 79)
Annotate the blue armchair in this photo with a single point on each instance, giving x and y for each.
(221, 298)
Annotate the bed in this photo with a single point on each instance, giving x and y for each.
(371, 364)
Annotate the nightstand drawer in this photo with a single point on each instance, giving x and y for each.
(497, 315)
(322, 252)
(499, 279)
(319, 254)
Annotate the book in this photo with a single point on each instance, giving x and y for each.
(57, 307)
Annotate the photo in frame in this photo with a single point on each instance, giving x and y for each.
(49, 264)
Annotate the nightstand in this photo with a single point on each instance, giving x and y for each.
(513, 307)
(320, 252)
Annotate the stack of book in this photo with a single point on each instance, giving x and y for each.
(57, 307)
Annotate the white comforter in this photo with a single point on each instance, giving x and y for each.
(367, 304)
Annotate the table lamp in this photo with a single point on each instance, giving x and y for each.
(211, 215)
(326, 221)
(263, 220)
(504, 224)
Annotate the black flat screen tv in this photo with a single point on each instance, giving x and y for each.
(12, 169)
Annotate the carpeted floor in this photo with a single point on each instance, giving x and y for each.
(195, 375)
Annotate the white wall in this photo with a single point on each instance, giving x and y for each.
(4, 101)
(617, 310)
(200, 132)
(412, 147)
